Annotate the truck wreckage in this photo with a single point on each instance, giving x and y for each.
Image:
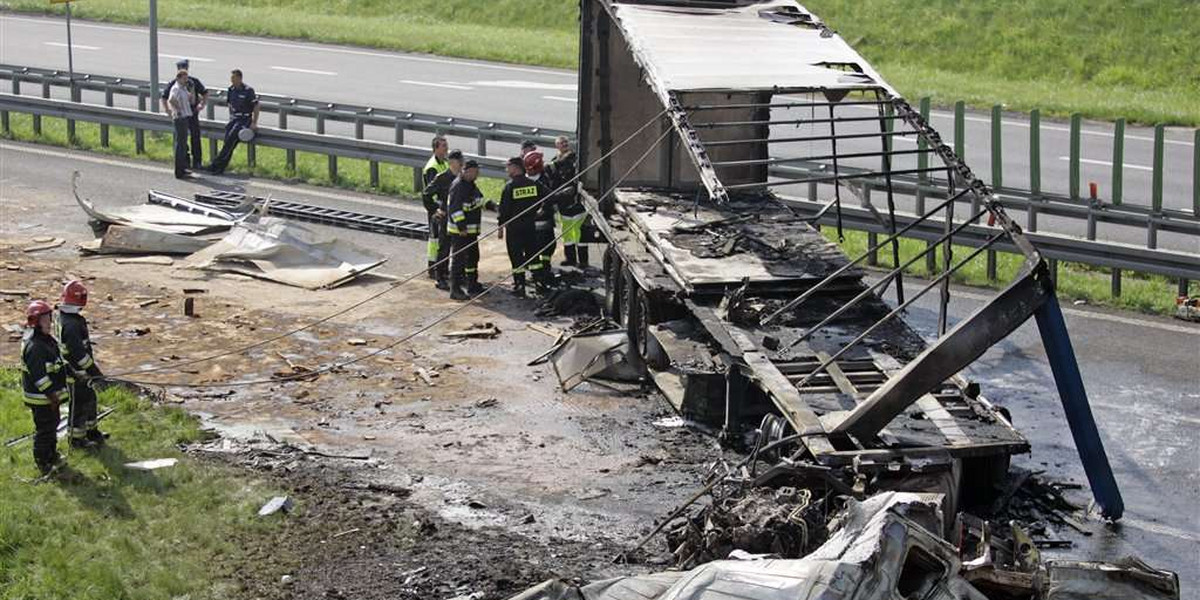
(746, 318)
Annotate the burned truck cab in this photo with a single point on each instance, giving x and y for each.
(725, 139)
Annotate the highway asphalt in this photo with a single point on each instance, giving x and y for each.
(528, 95)
(1140, 371)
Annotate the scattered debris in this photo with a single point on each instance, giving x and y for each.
(146, 303)
(477, 330)
(153, 217)
(1187, 308)
(131, 333)
(12, 267)
(570, 302)
(600, 355)
(487, 403)
(150, 465)
(356, 342)
(426, 375)
(52, 243)
(124, 239)
(276, 504)
(548, 330)
(287, 253)
(345, 533)
(165, 261)
(189, 307)
(14, 292)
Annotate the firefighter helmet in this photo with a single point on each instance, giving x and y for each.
(534, 164)
(36, 309)
(75, 294)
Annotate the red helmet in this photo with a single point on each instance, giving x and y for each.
(36, 309)
(534, 164)
(75, 293)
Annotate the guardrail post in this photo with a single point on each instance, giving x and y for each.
(1074, 158)
(108, 101)
(1035, 168)
(997, 149)
(5, 126)
(960, 132)
(872, 237)
(1116, 283)
(251, 154)
(812, 192)
(75, 95)
(1156, 190)
(373, 165)
(399, 133)
(139, 135)
(418, 183)
(1184, 284)
(1118, 162)
(332, 159)
(1196, 174)
(1053, 264)
(481, 145)
(37, 119)
(289, 154)
(991, 265)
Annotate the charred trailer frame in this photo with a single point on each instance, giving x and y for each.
(743, 313)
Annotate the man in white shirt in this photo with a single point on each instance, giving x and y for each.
(179, 103)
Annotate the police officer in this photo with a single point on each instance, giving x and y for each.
(437, 164)
(519, 202)
(243, 113)
(75, 346)
(44, 383)
(544, 221)
(199, 95)
(435, 196)
(571, 213)
(528, 146)
(464, 209)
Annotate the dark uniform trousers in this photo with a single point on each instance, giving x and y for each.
(83, 407)
(235, 124)
(181, 146)
(465, 261)
(196, 140)
(45, 436)
(544, 242)
(523, 253)
(442, 270)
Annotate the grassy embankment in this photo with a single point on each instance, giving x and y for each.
(1149, 294)
(111, 532)
(1103, 59)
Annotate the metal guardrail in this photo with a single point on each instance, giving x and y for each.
(1057, 247)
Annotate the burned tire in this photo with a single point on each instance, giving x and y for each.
(634, 316)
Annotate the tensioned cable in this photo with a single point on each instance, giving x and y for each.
(418, 331)
(393, 286)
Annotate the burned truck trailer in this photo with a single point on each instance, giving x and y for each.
(697, 114)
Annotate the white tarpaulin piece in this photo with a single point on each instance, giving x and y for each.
(767, 46)
(287, 253)
(600, 355)
(152, 217)
(123, 239)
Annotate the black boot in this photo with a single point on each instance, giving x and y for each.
(581, 252)
(456, 288)
(431, 269)
(442, 284)
(473, 287)
(97, 437)
(519, 285)
(569, 251)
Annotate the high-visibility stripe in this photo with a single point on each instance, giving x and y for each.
(472, 229)
(37, 399)
(431, 249)
(43, 384)
(87, 361)
(458, 216)
(528, 191)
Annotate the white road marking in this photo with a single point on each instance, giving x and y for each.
(189, 58)
(452, 86)
(313, 47)
(1105, 163)
(526, 85)
(559, 98)
(76, 46)
(308, 71)
(1160, 529)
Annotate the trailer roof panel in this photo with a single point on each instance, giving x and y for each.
(770, 45)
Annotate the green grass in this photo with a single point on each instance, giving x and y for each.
(112, 533)
(1150, 294)
(1104, 59)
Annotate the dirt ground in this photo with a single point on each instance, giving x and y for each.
(507, 481)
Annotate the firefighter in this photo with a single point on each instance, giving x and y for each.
(519, 203)
(75, 346)
(528, 146)
(571, 213)
(464, 210)
(44, 382)
(544, 221)
(434, 196)
(436, 165)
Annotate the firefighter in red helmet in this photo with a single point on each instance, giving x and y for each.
(44, 382)
(535, 167)
(82, 372)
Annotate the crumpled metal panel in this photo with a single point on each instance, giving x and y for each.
(693, 48)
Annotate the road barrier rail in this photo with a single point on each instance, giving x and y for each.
(1088, 250)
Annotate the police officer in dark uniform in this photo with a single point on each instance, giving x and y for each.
(243, 113)
(435, 196)
(199, 95)
(571, 213)
(464, 210)
(75, 346)
(519, 204)
(43, 382)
